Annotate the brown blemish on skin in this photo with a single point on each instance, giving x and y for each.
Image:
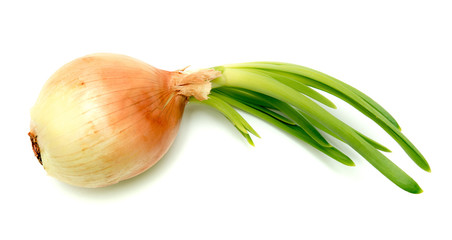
(34, 144)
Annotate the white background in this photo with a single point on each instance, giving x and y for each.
(211, 184)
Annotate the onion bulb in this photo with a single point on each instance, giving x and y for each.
(104, 118)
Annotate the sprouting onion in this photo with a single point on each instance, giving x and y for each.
(117, 116)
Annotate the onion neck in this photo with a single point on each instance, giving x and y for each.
(196, 84)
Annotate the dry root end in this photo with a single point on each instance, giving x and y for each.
(34, 144)
(196, 84)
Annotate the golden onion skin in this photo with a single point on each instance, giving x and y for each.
(104, 118)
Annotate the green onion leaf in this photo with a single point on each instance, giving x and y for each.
(349, 94)
(239, 77)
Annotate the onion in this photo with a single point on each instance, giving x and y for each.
(104, 118)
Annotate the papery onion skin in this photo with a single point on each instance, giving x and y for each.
(104, 118)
